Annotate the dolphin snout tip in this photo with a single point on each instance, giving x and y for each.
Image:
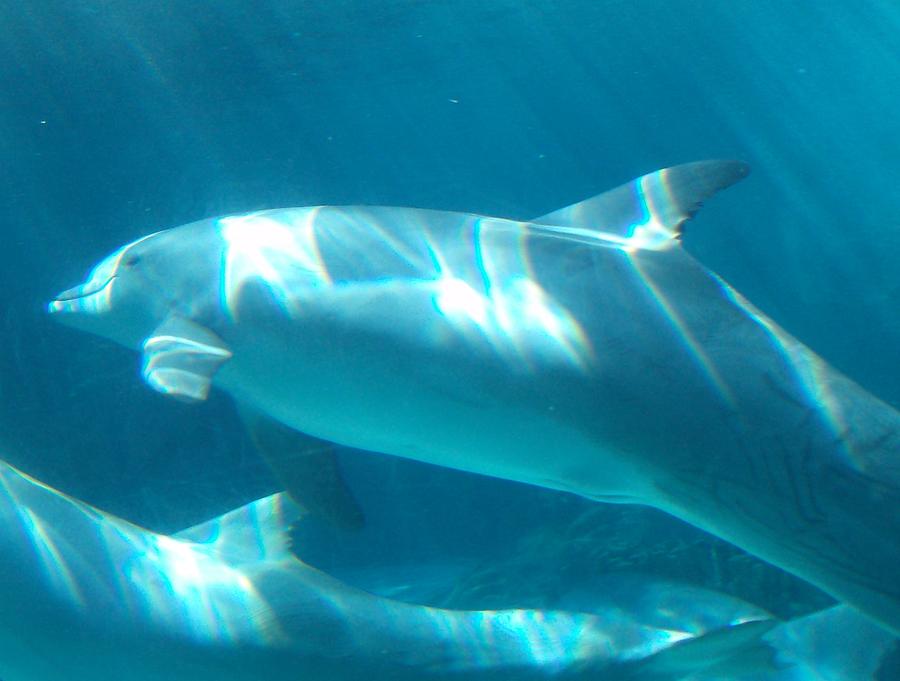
(60, 309)
(62, 302)
(92, 297)
(58, 305)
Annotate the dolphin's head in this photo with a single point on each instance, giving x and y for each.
(131, 291)
(116, 300)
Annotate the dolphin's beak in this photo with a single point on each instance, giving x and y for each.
(92, 297)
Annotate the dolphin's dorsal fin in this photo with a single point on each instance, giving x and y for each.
(306, 468)
(649, 211)
(180, 358)
(256, 532)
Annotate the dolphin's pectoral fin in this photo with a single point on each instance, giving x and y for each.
(181, 357)
(307, 468)
(649, 210)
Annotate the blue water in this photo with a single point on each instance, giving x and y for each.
(122, 117)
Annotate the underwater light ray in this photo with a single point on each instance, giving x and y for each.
(258, 247)
(55, 567)
(683, 332)
(809, 372)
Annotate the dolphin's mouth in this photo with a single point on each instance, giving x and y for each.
(83, 291)
(92, 297)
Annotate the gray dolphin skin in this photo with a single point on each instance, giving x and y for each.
(85, 596)
(584, 350)
(836, 644)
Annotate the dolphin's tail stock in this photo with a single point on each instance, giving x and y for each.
(861, 499)
(818, 494)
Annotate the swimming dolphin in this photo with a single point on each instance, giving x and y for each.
(86, 596)
(584, 350)
(833, 644)
(836, 644)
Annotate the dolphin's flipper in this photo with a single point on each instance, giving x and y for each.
(307, 468)
(180, 358)
(653, 206)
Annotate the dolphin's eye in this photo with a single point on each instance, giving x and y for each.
(131, 260)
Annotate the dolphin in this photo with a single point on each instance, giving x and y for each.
(836, 644)
(832, 644)
(86, 596)
(584, 350)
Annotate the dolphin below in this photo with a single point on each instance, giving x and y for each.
(833, 644)
(584, 350)
(836, 644)
(86, 596)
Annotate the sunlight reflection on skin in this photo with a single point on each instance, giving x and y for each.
(683, 332)
(161, 578)
(509, 312)
(211, 585)
(285, 256)
(810, 375)
(656, 229)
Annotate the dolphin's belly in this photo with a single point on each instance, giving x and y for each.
(460, 410)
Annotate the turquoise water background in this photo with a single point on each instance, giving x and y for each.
(119, 118)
